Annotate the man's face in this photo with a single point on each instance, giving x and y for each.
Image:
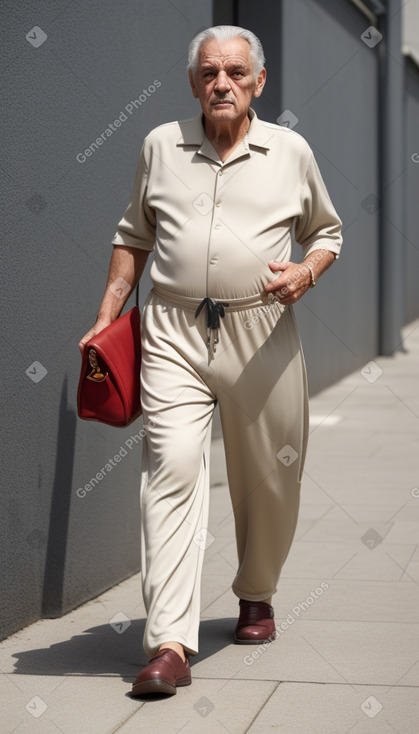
(224, 81)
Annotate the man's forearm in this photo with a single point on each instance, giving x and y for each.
(125, 269)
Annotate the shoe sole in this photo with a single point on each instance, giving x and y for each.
(157, 685)
(267, 640)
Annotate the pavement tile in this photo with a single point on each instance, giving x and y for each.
(67, 704)
(343, 652)
(347, 561)
(334, 709)
(209, 706)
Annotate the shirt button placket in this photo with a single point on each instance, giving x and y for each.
(215, 227)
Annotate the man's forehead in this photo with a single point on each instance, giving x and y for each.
(235, 50)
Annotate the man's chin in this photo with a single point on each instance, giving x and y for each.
(221, 105)
(225, 112)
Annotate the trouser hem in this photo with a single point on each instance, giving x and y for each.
(150, 651)
(254, 597)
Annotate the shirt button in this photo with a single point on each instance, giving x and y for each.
(218, 226)
(214, 261)
(218, 203)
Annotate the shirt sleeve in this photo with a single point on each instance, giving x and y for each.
(318, 227)
(137, 228)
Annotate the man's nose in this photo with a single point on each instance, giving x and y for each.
(222, 82)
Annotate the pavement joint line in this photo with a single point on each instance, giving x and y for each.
(326, 660)
(127, 718)
(224, 726)
(228, 680)
(262, 706)
(313, 682)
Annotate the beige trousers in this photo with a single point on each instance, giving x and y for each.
(257, 376)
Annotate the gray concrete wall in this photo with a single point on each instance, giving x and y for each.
(59, 94)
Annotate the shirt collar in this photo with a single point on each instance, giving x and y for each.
(193, 133)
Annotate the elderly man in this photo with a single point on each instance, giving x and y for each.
(218, 198)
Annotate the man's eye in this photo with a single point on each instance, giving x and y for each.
(238, 73)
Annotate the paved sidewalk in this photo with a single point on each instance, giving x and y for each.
(347, 656)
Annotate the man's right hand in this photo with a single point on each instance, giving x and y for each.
(96, 329)
(127, 265)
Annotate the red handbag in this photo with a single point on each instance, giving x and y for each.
(109, 385)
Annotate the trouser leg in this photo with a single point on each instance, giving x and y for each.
(264, 415)
(177, 407)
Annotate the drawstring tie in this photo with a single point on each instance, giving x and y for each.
(215, 310)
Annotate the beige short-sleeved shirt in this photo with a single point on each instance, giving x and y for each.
(215, 226)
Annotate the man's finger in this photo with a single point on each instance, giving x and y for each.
(276, 284)
(279, 265)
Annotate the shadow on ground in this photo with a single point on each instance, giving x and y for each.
(104, 651)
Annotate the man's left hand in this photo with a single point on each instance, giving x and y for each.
(293, 281)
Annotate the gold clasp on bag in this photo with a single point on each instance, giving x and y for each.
(96, 375)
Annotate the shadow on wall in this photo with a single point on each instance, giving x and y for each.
(52, 592)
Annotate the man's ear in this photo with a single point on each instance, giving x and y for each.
(260, 83)
(192, 83)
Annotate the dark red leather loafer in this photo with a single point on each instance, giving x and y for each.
(256, 623)
(163, 673)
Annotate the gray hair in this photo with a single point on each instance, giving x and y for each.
(224, 33)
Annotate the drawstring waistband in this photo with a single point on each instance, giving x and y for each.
(234, 304)
(215, 309)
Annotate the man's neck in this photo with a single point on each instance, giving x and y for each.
(226, 134)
